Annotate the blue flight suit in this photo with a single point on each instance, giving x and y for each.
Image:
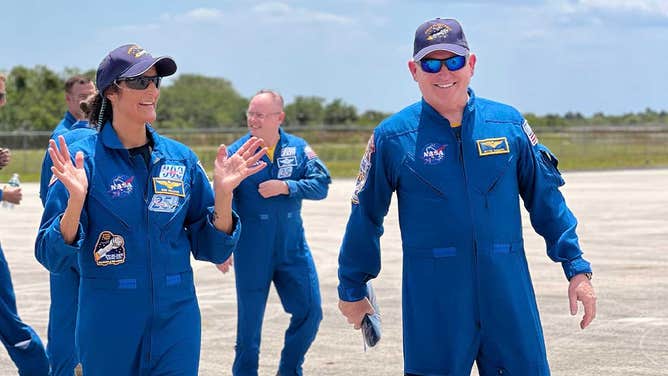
(272, 247)
(30, 360)
(467, 292)
(138, 312)
(63, 127)
(61, 349)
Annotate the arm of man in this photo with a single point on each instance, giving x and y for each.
(539, 181)
(312, 185)
(359, 256)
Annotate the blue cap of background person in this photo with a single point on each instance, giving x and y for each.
(440, 34)
(130, 60)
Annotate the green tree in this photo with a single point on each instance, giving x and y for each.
(372, 118)
(35, 99)
(305, 111)
(196, 101)
(338, 112)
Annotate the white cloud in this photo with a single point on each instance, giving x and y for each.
(592, 12)
(650, 7)
(204, 14)
(282, 12)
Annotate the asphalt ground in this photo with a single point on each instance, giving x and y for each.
(623, 230)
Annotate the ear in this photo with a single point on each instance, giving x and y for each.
(412, 67)
(472, 61)
(112, 95)
(281, 117)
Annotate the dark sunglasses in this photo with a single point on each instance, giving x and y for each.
(434, 65)
(141, 82)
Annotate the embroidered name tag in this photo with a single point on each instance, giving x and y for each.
(492, 146)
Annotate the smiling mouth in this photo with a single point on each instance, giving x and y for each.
(445, 86)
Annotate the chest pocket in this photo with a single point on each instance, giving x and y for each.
(422, 181)
(115, 196)
(491, 162)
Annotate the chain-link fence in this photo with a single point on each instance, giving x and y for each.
(342, 147)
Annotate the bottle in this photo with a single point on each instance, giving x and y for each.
(13, 182)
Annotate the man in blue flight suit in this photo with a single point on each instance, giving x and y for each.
(272, 246)
(458, 164)
(24, 346)
(65, 285)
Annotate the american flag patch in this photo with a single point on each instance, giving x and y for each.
(310, 153)
(530, 134)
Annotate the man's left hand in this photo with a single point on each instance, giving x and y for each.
(271, 188)
(580, 288)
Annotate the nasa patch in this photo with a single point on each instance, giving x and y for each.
(433, 154)
(163, 203)
(109, 249)
(175, 172)
(121, 186)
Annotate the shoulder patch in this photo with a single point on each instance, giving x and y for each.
(310, 153)
(529, 132)
(365, 166)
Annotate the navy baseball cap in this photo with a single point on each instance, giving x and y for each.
(440, 34)
(130, 60)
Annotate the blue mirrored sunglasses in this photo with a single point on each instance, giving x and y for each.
(141, 82)
(434, 65)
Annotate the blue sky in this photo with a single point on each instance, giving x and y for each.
(543, 57)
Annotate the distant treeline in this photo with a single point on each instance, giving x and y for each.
(36, 103)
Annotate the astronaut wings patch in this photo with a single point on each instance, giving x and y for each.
(365, 166)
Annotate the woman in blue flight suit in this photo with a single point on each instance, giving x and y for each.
(131, 212)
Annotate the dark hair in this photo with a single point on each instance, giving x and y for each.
(81, 80)
(98, 108)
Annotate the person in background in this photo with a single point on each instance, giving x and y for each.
(77, 90)
(131, 206)
(459, 165)
(64, 286)
(272, 246)
(24, 346)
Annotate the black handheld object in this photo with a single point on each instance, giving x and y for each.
(371, 324)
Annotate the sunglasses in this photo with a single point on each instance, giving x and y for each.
(141, 82)
(434, 65)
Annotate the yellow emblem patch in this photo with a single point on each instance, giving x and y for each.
(492, 146)
(171, 187)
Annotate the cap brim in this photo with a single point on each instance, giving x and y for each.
(454, 48)
(165, 65)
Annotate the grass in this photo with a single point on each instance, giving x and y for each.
(576, 151)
